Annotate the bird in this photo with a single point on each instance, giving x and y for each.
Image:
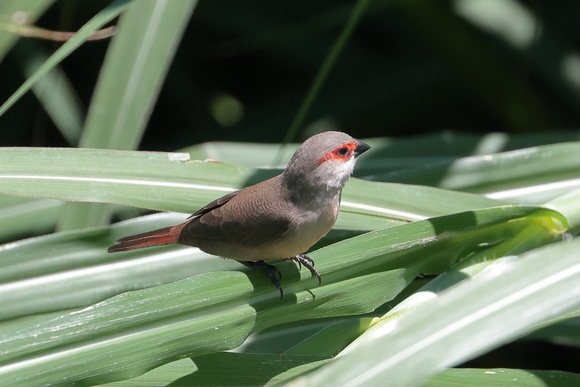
(276, 219)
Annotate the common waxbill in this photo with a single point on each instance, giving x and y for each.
(276, 219)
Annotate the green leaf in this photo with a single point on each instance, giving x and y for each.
(235, 369)
(170, 182)
(204, 314)
(408, 159)
(529, 176)
(103, 17)
(26, 217)
(31, 10)
(566, 332)
(505, 301)
(147, 179)
(140, 54)
(147, 36)
(403, 202)
(160, 376)
(54, 91)
(153, 326)
(73, 269)
(329, 341)
(569, 205)
(503, 377)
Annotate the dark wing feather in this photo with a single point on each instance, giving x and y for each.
(246, 218)
(213, 205)
(250, 230)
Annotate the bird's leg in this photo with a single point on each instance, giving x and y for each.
(308, 262)
(270, 270)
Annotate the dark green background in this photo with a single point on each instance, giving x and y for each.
(411, 67)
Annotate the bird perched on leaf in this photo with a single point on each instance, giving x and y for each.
(276, 219)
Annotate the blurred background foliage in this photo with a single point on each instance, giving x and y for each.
(243, 69)
(455, 71)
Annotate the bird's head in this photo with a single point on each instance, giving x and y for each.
(324, 160)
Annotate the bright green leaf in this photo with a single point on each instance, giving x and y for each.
(509, 298)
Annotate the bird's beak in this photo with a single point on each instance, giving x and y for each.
(361, 147)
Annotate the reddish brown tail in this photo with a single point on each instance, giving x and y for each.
(163, 236)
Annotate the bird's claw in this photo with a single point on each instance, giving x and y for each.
(308, 262)
(270, 270)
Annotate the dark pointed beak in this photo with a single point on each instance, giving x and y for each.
(361, 147)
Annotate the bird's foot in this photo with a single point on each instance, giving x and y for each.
(308, 262)
(273, 272)
(270, 270)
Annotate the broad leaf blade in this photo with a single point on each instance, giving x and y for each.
(179, 319)
(507, 300)
(160, 376)
(170, 182)
(503, 377)
(204, 314)
(529, 176)
(129, 83)
(235, 369)
(25, 217)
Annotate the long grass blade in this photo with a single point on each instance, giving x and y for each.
(103, 17)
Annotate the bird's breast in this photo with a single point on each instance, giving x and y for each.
(306, 228)
(311, 229)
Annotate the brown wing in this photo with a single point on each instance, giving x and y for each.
(213, 205)
(248, 218)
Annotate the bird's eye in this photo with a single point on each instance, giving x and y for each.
(342, 151)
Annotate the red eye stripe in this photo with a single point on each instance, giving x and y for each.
(339, 152)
